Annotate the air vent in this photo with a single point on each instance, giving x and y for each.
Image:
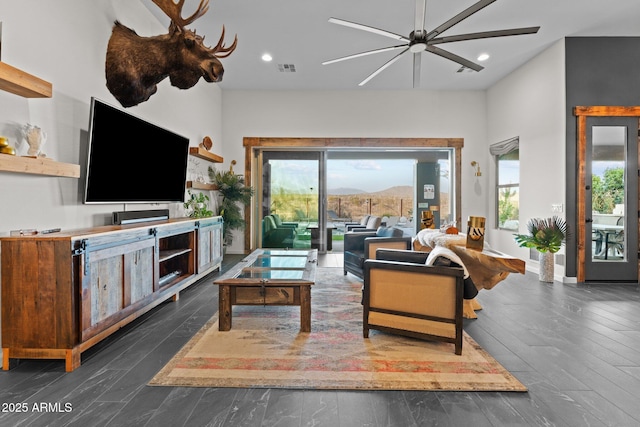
(464, 69)
(287, 68)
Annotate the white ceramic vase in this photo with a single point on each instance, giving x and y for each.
(546, 267)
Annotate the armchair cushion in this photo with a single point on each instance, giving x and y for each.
(416, 300)
(361, 245)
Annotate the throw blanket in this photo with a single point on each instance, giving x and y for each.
(445, 256)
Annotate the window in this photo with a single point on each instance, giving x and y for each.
(507, 154)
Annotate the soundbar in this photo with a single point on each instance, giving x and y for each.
(132, 217)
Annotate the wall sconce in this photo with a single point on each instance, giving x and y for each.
(476, 165)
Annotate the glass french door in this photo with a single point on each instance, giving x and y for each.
(611, 199)
(292, 196)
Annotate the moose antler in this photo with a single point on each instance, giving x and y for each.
(221, 51)
(174, 11)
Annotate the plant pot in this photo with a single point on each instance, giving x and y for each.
(547, 260)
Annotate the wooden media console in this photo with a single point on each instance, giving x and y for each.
(64, 292)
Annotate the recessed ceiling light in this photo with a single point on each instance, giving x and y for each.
(483, 57)
(266, 57)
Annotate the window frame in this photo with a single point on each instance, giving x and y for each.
(499, 151)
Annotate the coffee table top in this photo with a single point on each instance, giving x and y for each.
(272, 267)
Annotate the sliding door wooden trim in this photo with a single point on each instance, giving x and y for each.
(252, 143)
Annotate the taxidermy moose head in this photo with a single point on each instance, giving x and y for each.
(135, 65)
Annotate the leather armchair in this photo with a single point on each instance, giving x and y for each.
(361, 245)
(281, 224)
(276, 237)
(414, 300)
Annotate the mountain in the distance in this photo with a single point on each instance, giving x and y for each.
(344, 190)
(399, 190)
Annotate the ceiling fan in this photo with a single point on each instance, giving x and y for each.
(420, 40)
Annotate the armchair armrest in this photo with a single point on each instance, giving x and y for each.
(355, 241)
(351, 227)
(372, 244)
(414, 257)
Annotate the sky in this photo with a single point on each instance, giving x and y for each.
(367, 175)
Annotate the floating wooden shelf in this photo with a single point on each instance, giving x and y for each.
(204, 154)
(23, 84)
(201, 185)
(38, 166)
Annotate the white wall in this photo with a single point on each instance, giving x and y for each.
(361, 113)
(64, 42)
(530, 103)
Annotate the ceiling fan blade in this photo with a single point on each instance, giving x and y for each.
(484, 35)
(455, 58)
(368, 28)
(369, 52)
(421, 11)
(459, 17)
(384, 66)
(417, 59)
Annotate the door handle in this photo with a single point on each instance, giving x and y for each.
(588, 220)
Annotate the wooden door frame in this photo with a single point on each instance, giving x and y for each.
(252, 143)
(582, 113)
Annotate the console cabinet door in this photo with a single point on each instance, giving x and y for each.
(209, 246)
(114, 279)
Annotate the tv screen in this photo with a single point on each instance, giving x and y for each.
(133, 161)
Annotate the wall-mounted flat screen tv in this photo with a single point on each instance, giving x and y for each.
(131, 160)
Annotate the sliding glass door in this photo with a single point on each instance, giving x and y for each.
(291, 202)
(305, 195)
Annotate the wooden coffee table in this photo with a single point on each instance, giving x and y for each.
(269, 277)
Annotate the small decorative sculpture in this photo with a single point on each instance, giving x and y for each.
(475, 233)
(427, 220)
(135, 65)
(5, 148)
(36, 139)
(206, 143)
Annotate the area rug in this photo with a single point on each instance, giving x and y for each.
(266, 349)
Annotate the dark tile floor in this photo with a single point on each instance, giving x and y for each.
(577, 348)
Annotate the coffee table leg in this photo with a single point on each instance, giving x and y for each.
(305, 308)
(224, 308)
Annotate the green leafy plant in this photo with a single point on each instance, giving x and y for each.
(545, 234)
(198, 204)
(234, 196)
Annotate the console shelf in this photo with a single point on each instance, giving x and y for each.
(23, 84)
(38, 166)
(170, 253)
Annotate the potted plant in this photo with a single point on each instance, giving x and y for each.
(233, 193)
(546, 235)
(198, 205)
